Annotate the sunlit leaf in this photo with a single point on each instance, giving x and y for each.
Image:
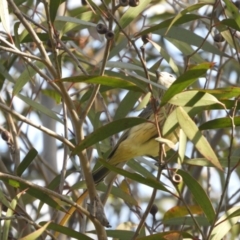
(193, 98)
(181, 211)
(186, 80)
(4, 16)
(203, 162)
(34, 235)
(225, 224)
(199, 141)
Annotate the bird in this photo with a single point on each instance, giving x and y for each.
(140, 139)
(136, 141)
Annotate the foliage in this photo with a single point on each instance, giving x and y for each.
(85, 67)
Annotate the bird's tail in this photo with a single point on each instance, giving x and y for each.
(100, 174)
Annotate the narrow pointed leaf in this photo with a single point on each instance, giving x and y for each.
(106, 81)
(136, 177)
(26, 161)
(199, 195)
(67, 231)
(194, 99)
(181, 211)
(233, 11)
(220, 123)
(131, 14)
(199, 141)
(107, 131)
(26, 76)
(39, 107)
(184, 13)
(224, 224)
(4, 16)
(34, 235)
(186, 80)
(223, 93)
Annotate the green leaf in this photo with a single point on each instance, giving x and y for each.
(174, 235)
(233, 12)
(199, 141)
(221, 123)
(126, 104)
(134, 176)
(52, 94)
(119, 234)
(193, 98)
(190, 38)
(33, 191)
(118, 192)
(26, 76)
(187, 221)
(223, 93)
(203, 162)
(26, 161)
(4, 16)
(67, 231)
(184, 12)
(200, 196)
(34, 235)
(186, 80)
(4, 200)
(230, 23)
(67, 23)
(225, 224)
(131, 14)
(104, 80)
(107, 131)
(39, 107)
(53, 8)
(171, 122)
(10, 212)
(181, 211)
(183, 19)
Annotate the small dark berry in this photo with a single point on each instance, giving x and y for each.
(218, 38)
(134, 3)
(109, 35)
(154, 209)
(146, 37)
(101, 28)
(6, 136)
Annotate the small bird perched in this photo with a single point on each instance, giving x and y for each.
(136, 141)
(139, 140)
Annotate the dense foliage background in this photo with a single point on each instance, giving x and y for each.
(70, 73)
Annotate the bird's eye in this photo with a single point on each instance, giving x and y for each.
(171, 75)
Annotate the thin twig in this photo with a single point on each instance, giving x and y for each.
(49, 132)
